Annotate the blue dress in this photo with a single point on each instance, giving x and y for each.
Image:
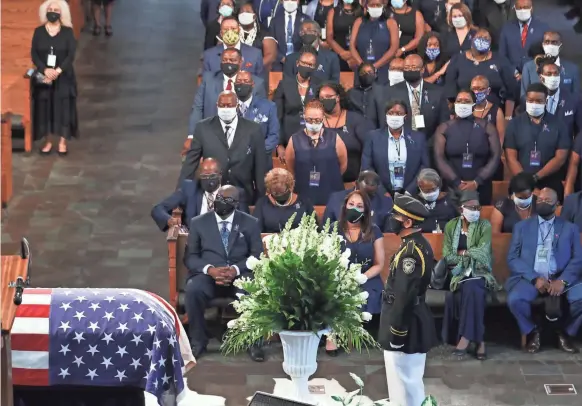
(362, 252)
(376, 34)
(322, 160)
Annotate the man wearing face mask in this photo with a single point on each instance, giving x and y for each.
(545, 259)
(327, 65)
(285, 27)
(538, 143)
(236, 143)
(369, 183)
(259, 109)
(252, 58)
(193, 197)
(396, 71)
(407, 329)
(361, 97)
(219, 244)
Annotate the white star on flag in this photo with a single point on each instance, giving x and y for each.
(164, 323)
(138, 300)
(65, 326)
(67, 292)
(137, 339)
(123, 307)
(107, 337)
(122, 327)
(165, 379)
(172, 340)
(109, 299)
(65, 306)
(135, 363)
(156, 384)
(95, 306)
(64, 349)
(107, 362)
(79, 337)
(108, 316)
(137, 317)
(157, 342)
(151, 329)
(151, 309)
(64, 372)
(78, 361)
(79, 315)
(81, 298)
(93, 326)
(149, 353)
(162, 361)
(124, 293)
(152, 367)
(120, 375)
(121, 351)
(92, 373)
(92, 349)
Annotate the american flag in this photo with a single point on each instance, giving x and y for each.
(97, 337)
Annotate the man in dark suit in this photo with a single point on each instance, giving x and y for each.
(369, 183)
(327, 65)
(237, 143)
(252, 58)
(545, 259)
(259, 109)
(285, 27)
(213, 83)
(219, 245)
(572, 209)
(193, 197)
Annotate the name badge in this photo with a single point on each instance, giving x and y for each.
(51, 61)
(419, 121)
(467, 160)
(535, 158)
(542, 254)
(301, 119)
(323, 33)
(314, 178)
(399, 173)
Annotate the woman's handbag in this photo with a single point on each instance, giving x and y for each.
(439, 276)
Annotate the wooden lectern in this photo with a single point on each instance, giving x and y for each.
(15, 277)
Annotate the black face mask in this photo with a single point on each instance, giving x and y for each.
(223, 208)
(395, 225)
(545, 210)
(210, 184)
(353, 215)
(328, 104)
(367, 80)
(412, 76)
(282, 198)
(308, 39)
(243, 90)
(229, 69)
(53, 17)
(305, 71)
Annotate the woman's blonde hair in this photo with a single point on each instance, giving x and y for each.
(65, 12)
(279, 175)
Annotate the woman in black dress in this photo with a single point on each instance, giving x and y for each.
(438, 203)
(410, 26)
(436, 61)
(254, 35)
(340, 20)
(107, 6)
(226, 8)
(276, 208)
(519, 205)
(54, 99)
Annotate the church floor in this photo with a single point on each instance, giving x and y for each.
(87, 215)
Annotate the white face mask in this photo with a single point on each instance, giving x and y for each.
(395, 77)
(394, 122)
(523, 15)
(471, 215)
(522, 202)
(463, 110)
(246, 18)
(227, 114)
(313, 128)
(431, 196)
(535, 109)
(459, 22)
(375, 12)
(551, 82)
(500, 1)
(290, 6)
(225, 11)
(552, 50)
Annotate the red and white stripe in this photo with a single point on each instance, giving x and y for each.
(30, 339)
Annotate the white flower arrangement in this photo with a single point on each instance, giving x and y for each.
(305, 282)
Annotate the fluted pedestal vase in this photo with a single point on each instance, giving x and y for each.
(300, 361)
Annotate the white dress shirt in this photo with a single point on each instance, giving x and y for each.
(396, 159)
(237, 46)
(225, 80)
(232, 131)
(205, 198)
(219, 221)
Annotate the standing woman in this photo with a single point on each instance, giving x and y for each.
(317, 157)
(430, 49)
(318, 10)
(107, 8)
(340, 21)
(410, 26)
(55, 99)
(374, 39)
(458, 37)
(254, 35)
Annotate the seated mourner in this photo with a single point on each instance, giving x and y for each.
(520, 205)
(545, 259)
(438, 203)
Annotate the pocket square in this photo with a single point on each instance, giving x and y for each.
(568, 113)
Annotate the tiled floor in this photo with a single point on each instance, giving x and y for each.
(87, 215)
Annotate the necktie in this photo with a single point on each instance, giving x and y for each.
(415, 106)
(289, 29)
(227, 134)
(210, 201)
(524, 35)
(243, 109)
(224, 234)
(229, 85)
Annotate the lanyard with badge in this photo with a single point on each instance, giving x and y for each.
(418, 119)
(314, 175)
(399, 165)
(269, 18)
(52, 59)
(542, 250)
(535, 156)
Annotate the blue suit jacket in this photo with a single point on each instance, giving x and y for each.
(510, 41)
(187, 197)
(204, 105)
(278, 30)
(252, 59)
(264, 112)
(522, 252)
(381, 207)
(572, 209)
(569, 76)
(375, 157)
(327, 68)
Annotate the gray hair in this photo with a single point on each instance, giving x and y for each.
(430, 175)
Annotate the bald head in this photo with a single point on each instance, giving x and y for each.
(229, 191)
(548, 195)
(413, 62)
(209, 166)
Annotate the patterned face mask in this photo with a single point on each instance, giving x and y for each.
(230, 37)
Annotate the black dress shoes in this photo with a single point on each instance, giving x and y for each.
(533, 342)
(565, 344)
(257, 353)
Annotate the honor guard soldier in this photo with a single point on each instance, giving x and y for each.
(407, 329)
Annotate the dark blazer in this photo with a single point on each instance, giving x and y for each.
(375, 157)
(381, 207)
(264, 112)
(328, 65)
(278, 30)
(362, 101)
(572, 209)
(510, 41)
(252, 59)
(243, 164)
(433, 106)
(212, 85)
(567, 250)
(187, 197)
(205, 245)
(209, 11)
(569, 76)
(289, 105)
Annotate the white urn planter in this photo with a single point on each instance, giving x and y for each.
(300, 361)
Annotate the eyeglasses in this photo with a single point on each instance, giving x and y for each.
(210, 176)
(228, 200)
(313, 120)
(472, 208)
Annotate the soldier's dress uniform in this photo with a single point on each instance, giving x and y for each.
(407, 329)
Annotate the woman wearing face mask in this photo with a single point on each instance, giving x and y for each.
(317, 157)
(374, 39)
(226, 8)
(361, 97)
(276, 208)
(351, 126)
(457, 38)
(435, 61)
(520, 204)
(396, 153)
(479, 60)
(410, 26)
(439, 205)
(340, 21)
(55, 97)
(468, 253)
(467, 149)
(253, 34)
